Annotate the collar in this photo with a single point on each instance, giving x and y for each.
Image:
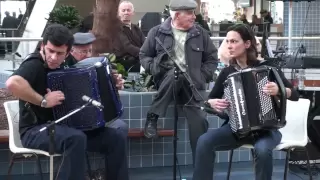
(127, 26)
(166, 28)
(235, 65)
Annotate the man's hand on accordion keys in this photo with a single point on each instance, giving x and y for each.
(271, 88)
(118, 79)
(54, 98)
(218, 104)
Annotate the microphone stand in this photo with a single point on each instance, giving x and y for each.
(51, 131)
(176, 118)
(178, 69)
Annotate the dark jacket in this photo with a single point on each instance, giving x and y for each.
(128, 47)
(201, 54)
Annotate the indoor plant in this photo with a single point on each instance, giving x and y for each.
(66, 15)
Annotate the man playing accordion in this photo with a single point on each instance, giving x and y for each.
(29, 84)
(242, 49)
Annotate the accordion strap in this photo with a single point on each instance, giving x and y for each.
(31, 57)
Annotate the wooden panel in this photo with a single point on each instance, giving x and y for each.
(4, 136)
(307, 83)
(138, 133)
(135, 132)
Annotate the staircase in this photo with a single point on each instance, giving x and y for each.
(35, 25)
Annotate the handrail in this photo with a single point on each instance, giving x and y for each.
(6, 39)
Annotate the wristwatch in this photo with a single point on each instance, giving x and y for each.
(43, 102)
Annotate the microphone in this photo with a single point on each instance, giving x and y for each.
(92, 101)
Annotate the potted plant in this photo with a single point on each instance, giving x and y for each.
(66, 15)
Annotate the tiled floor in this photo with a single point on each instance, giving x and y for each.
(241, 171)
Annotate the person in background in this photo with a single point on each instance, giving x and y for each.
(244, 20)
(82, 49)
(9, 22)
(266, 15)
(131, 38)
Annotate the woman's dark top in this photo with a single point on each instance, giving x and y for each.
(217, 91)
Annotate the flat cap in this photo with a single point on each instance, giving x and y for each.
(179, 5)
(83, 38)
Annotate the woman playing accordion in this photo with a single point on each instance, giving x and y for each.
(242, 50)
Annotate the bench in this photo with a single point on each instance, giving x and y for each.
(4, 136)
(138, 133)
(133, 133)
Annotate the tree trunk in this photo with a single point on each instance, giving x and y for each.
(105, 26)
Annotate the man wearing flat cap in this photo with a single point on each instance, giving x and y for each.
(191, 48)
(82, 49)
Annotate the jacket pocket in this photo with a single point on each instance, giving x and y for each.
(195, 55)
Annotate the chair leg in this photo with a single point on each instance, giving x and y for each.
(11, 165)
(39, 165)
(286, 164)
(308, 163)
(230, 163)
(89, 167)
(253, 160)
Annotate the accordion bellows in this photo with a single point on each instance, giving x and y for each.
(250, 108)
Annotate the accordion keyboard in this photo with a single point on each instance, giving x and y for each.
(57, 85)
(233, 115)
(74, 87)
(265, 100)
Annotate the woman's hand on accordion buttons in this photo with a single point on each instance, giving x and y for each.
(218, 104)
(54, 98)
(271, 88)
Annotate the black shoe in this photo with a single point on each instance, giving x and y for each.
(150, 128)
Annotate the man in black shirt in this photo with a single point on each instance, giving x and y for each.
(29, 84)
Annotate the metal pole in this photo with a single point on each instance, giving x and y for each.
(51, 167)
(290, 27)
(212, 38)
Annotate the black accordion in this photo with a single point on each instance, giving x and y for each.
(250, 108)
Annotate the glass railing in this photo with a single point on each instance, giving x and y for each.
(11, 61)
(16, 54)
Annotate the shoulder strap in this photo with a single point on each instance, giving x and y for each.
(160, 35)
(31, 57)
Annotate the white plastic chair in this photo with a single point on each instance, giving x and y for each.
(294, 134)
(15, 145)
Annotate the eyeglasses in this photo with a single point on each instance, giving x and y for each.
(83, 52)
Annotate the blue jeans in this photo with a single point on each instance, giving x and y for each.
(223, 139)
(120, 125)
(73, 143)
